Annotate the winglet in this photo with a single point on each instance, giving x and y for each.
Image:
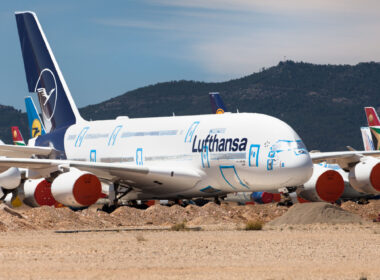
(350, 148)
(372, 117)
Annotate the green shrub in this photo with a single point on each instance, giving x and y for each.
(254, 225)
(179, 227)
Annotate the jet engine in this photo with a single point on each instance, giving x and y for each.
(38, 193)
(10, 179)
(262, 197)
(325, 184)
(76, 188)
(365, 176)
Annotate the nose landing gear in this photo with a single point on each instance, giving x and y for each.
(289, 196)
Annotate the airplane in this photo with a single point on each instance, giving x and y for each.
(157, 158)
(36, 126)
(164, 157)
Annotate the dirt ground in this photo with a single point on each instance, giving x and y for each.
(323, 252)
(30, 248)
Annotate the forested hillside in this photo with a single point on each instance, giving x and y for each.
(323, 103)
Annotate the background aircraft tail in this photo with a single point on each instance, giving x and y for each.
(17, 136)
(374, 124)
(217, 103)
(367, 139)
(36, 127)
(372, 118)
(43, 75)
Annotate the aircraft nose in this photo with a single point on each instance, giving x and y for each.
(299, 170)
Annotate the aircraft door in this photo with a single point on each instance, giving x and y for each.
(115, 132)
(139, 156)
(253, 159)
(80, 137)
(204, 157)
(273, 161)
(231, 177)
(93, 155)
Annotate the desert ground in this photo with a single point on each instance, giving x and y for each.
(47, 243)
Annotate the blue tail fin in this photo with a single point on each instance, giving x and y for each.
(217, 103)
(44, 76)
(36, 126)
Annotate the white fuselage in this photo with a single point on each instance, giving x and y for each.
(230, 152)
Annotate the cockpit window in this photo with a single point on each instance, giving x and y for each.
(289, 145)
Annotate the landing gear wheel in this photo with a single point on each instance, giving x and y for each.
(216, 200)
(362, 201)
(201, 202)
(286, 203)
(108, 208)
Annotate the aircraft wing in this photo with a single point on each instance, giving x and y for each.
(141, 177)
(345, 159)
(24, 151)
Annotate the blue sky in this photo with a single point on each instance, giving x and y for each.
(105, 48)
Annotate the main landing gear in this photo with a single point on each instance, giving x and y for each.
(118, 192)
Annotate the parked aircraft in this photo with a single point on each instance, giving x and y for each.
(166, 157)
(36, 127)
(153, 158)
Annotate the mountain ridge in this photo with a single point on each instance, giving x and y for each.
(323, 103)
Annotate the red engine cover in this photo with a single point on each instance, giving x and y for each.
(43, 195)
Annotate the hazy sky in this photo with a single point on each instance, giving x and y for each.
(105, 48)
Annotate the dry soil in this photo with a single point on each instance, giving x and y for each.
(31, 249)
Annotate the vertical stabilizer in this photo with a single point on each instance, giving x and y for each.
(367, 139)
(36, 127)
(217, 103)
(17, 136)
(43, 75)
(372, 118)
(373, 123)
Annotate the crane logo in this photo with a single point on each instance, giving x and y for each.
(220, 111)
(46, 88)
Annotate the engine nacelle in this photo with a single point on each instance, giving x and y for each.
(262, 197)
(10, 179)
(325, 184)
(365, 176)
(38, 193)
(76, 188)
